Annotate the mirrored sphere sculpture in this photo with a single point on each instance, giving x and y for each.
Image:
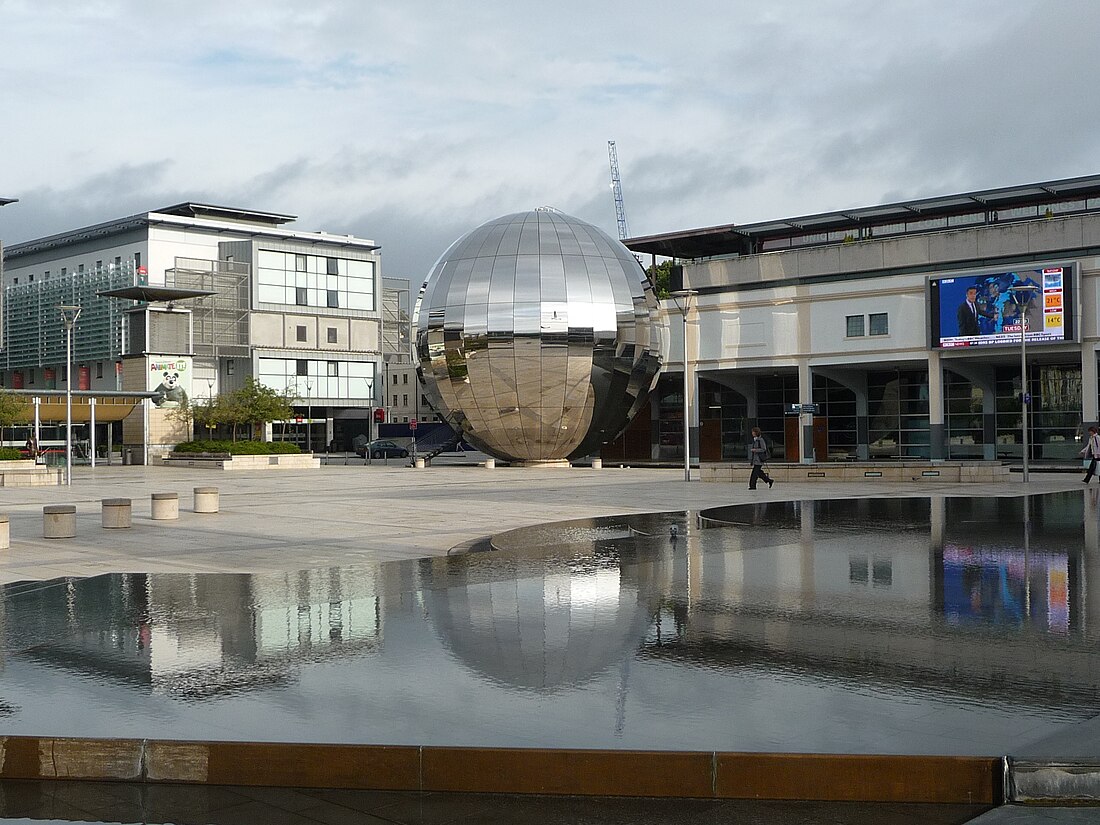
(538, 337)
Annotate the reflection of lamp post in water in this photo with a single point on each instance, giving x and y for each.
(69, 315)
(686, 295)
(1022, 295)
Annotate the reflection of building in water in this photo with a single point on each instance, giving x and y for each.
(199, 635)
(543, 623)
(871, 592)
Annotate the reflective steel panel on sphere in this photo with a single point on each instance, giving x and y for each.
(539, 337)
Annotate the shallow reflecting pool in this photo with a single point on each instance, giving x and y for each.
(959, 625)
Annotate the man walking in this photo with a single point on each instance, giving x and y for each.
(1091, 452)
(758, 454)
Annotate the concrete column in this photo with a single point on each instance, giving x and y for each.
(1089, 413)
(805, 396)
(936, 438)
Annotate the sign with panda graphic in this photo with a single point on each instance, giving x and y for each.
(170, 379)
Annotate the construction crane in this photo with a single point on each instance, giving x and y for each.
(617, 189)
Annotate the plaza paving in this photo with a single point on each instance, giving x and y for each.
(338, 515)
(342, 515)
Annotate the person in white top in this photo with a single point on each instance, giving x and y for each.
(1091, 452)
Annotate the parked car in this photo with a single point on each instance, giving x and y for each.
(382, 449)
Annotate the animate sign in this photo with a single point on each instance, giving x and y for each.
(170, 378)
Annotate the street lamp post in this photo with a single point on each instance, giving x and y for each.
(686, 294)
(209, 403)
(309, 416)
(1020, 292)
(69, 314)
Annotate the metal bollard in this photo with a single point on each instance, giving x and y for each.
(117, 513)
(59, 521)
(165, 506)
(207, 500)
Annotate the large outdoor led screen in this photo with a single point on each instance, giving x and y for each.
(980, 310)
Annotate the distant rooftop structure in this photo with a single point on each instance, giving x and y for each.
(988, 206)
(267, 224)
(225, 213)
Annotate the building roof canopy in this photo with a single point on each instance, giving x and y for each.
(746, 238)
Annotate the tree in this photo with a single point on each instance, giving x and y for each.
(659, 275)
(255, 404)
(12, 408)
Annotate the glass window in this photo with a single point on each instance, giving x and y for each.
(879, 323)
(301, 331)
(404, 378)
(301, 296)
(855, 326)
(333, 297)
(331, 266)
(333, 368)
(332, 338)
(99, 369)
(300, 263)
(229, 367)
(301, 367)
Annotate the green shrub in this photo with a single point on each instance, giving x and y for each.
(237, 447)
(10, 454)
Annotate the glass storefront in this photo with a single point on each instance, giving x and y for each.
(897, 408)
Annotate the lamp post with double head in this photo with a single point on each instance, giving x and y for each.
(682, 299)
(69, 314)
(1022, 295)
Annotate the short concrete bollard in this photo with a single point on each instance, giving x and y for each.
(117, 513)
(59, 521)
(206, 500)
(597, 464)
(166, 506)
(419, 463)
(490, 463)
(5, 533)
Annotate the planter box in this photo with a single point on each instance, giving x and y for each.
(967, 472)
(222, 461)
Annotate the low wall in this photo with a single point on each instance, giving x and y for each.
(21, 473)
(691, 774)
(219, 461)
(965, 472)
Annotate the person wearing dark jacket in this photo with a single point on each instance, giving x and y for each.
(758, 452)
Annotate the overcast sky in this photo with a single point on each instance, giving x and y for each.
(412, 122)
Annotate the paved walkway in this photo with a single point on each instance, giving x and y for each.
(287, 520)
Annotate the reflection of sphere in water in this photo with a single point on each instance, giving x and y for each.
(538, 336)
(540, 629)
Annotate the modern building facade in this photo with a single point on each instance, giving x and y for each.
(858, 314)
(298, 311)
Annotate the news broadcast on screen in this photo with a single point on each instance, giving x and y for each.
(987, 309)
